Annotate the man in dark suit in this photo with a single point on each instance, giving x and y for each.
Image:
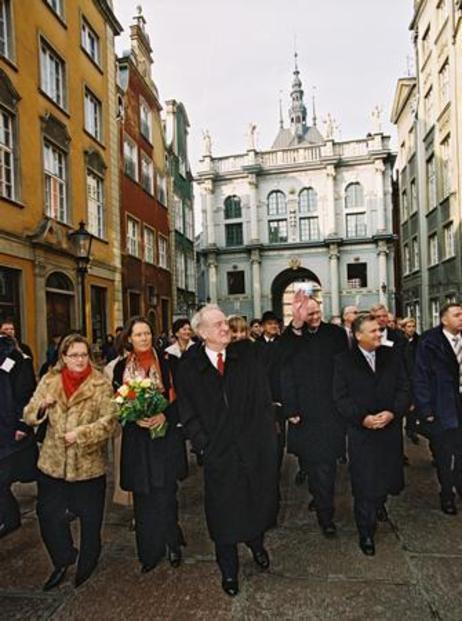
(371, 393)
(437, 393)
(409, 328)
(349, 314)
(390, 336)
(224, 402)
(315, 434)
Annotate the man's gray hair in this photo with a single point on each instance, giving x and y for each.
(198, 318)
(378, 307)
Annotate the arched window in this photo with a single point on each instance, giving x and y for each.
(233, 207)
(307, 201)
(354, 196)
(59, 282)
(277, 203)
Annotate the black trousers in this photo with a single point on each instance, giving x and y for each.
(365, 511)
(447, 452)
(321, 484)
(9, 508)
(228, 558)
(156, 523)
(86, 500)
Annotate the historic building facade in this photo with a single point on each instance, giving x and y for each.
(58, 167)
(426, 112)
(309, 212)
(144, 217)
(181, 208)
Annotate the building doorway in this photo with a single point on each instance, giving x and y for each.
(60, 298)
(10, 307)
(286, 284)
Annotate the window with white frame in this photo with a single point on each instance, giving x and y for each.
(356, 225)
(446, 167)
(56, 6)
(435, 312)
(309, 229)
(133, 237)
(277, 231)
(162, 189)
(163, 252)
(130, 158)
(415, 254)
(234, 234)
(6, 47)
(413, 196)
(93, 115)
(444, 83)
(431, 183)
(448, 237)
(354, 196)
(407, 259)
(145, 120)
(55, 183)
(147, 173)
(149, 245)
(428, 109)
(433, 256)
(189, 221)
(90, 42)
(404, 205)
(7, 147)
(180, 269)
(277, 203)
(52, 74)
(95, 201)
(307, 201)
(190, 273)
(232, 207)
(179, 218)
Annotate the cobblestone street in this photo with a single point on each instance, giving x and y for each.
(415, 575)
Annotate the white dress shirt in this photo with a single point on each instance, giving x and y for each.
(369, 356)
(213, 356)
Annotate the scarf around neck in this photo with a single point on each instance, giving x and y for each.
(72, 380)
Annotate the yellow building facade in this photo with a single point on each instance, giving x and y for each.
(59, 165)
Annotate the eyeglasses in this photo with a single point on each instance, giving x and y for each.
(76, 356)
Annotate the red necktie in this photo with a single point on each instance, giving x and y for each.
(220, 364)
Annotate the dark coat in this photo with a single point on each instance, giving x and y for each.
(436, 382)
(410, 353)
(229, 418)
(306, 385)
(376, 455)
(16, 388)
(145, 463)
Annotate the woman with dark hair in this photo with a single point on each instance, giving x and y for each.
(182, 333)
(150, 467)
(76, 400)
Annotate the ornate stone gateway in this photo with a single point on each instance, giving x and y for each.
(285, 286)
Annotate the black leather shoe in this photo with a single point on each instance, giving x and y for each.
(6, 530)
(329, 530)
(367, 546)
(230, 586)
(300, 478)
(448, 507)
(312, 505)
(147, 568)
(261, 558)
(57, 576)
(174, 556)
(382, 514)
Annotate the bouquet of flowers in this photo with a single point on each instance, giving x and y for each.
(138, 399)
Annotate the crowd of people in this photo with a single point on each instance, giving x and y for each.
(239, 396)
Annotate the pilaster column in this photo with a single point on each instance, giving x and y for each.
(379, 188)
(334, 278)
(210, 230)
(40, 308)
(253, 193)
(382, 252)
(330, 220)
(212, 275)
(255, 261)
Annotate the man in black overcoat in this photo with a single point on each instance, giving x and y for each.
(224, 403)
(316, 435)
(438, 399)
(18, 449)
(371, 393)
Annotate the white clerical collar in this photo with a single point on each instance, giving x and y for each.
(213, 355)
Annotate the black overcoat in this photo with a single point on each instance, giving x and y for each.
(229, 418)
(306, 386)
(145, 463)
(376, 455)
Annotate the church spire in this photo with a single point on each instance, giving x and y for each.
(297, 111)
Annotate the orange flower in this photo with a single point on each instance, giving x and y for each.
(131, 395)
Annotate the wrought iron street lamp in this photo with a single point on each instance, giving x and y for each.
(81, 240)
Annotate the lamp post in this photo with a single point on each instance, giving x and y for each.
(81, 239)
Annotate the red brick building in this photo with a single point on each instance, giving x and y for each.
(146, 275)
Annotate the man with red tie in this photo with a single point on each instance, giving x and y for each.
(224, 403)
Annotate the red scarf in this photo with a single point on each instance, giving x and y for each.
(73, 379)
(146, 360)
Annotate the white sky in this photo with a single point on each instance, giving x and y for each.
(228, 60)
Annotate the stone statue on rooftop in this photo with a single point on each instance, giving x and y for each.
(207, 142)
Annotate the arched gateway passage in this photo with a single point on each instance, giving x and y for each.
(286, 284)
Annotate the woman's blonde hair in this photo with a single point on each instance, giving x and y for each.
(66, 344)
(237, 324)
